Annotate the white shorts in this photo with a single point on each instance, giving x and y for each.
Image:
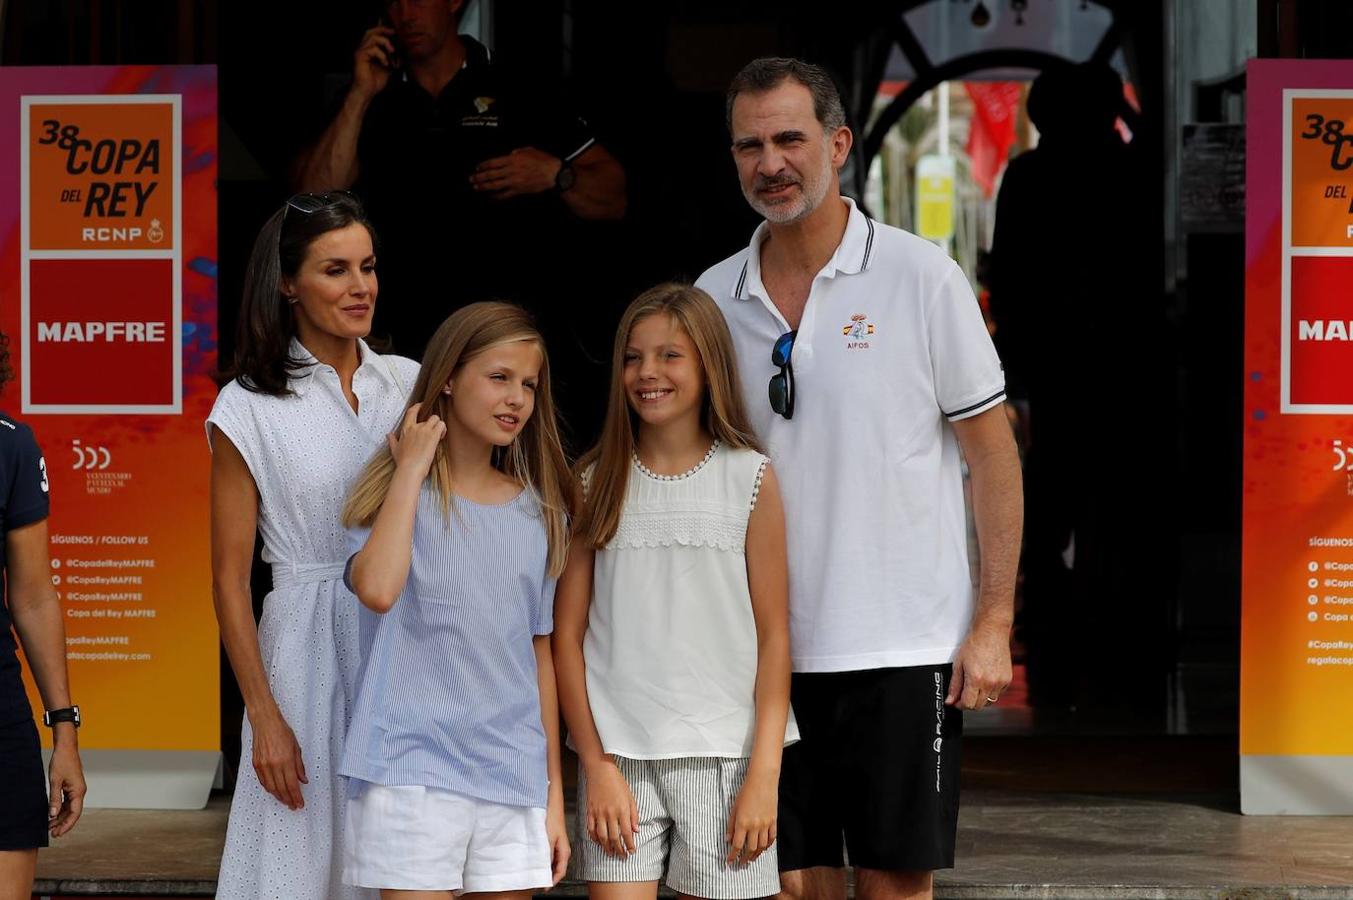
(683, 830)
(414, 838)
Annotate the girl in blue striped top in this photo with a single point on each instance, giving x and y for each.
(459, 530)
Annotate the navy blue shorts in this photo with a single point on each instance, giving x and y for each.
(874, 778)
(23, 785)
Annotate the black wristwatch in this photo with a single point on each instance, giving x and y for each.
(565, 177)
(70, 714)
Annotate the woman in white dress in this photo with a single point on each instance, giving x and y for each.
(308, 406)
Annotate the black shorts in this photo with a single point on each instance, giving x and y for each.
(876, 770)
(23, 784)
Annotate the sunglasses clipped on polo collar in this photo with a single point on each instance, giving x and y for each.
(782, 385)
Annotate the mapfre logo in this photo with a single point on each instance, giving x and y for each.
(1321, 330)
(105, 316)
(108, 332)
(1319, 337)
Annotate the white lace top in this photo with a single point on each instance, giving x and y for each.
(671, 648)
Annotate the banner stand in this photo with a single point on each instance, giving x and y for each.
(1296, 654)
(108, 297)
(1296, 785)
(148, 779)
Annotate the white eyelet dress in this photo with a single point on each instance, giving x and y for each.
(304, 452)
(671, 648)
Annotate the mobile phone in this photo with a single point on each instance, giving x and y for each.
(396, 58)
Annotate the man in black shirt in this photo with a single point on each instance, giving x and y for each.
(470, 178)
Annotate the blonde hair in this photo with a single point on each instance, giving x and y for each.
(607, 465)
(535, 458)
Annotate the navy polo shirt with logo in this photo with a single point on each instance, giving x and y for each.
(442, 243)
(23, 501)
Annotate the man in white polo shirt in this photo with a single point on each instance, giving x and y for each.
(866, 367)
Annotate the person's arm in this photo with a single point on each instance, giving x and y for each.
(331, 162)
(37, 619)
(752, 823)
(598, 191)
(556, 826)
(612, 814)
(982, 666)
(234, 521)
(381, 567)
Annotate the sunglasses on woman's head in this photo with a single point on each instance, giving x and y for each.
(782, 385)
(312, 203)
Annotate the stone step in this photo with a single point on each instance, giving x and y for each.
(1011, 844)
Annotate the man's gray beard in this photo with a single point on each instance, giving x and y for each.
(812, 194)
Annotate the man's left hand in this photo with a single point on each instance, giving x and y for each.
(525, 170)
(981, 668)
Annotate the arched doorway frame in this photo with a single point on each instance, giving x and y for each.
(929, 76)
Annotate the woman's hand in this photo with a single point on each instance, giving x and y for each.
(414, 446)
(66, 787)
(751, 823)
(277, 759)
(612, 814)
(557, 831)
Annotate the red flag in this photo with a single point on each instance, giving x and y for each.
(992, 131)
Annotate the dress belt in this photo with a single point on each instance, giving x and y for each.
(285, 575)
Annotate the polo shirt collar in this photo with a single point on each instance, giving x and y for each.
(853, 255)
(476, 57)
(303, 379)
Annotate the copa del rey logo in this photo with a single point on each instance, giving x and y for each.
(1324, 330)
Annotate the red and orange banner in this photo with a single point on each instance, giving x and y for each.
(1297, 570)
(108, 296)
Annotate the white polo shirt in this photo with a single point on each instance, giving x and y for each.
(891, 348)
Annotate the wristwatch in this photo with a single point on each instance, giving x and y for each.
(70, 714)
(565, 177)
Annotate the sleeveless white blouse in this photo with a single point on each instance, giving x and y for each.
(304, 452)
(671, 649)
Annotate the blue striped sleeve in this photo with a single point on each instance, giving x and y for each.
(544, 623)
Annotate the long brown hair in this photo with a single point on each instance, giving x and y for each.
(263, 362)
(535, 458)
(724, 415)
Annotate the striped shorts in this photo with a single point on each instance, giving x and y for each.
(683, 825)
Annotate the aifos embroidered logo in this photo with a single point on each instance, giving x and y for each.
(858, 330)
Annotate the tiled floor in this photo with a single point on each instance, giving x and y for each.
(1016, 844)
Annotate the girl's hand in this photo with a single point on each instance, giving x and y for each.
(414, 446)
(612, 814)
(751, 823)
(66, 789)
(556, 830)
(277, 760)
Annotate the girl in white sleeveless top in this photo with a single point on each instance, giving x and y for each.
(671, 624)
